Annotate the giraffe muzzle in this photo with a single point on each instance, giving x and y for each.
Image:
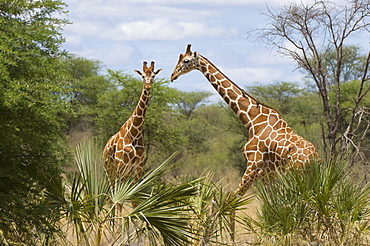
(173, 77)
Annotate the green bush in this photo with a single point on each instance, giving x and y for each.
(317, 206)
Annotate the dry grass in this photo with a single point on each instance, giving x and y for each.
(245, 237)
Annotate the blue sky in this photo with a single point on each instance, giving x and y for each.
(123, 34)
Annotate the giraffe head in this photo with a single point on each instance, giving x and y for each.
(187, 62)
(148, 74)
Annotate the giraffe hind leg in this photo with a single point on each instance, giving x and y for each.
(254, 171)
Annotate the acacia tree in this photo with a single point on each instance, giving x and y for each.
(308, 34)
(278, 94)
(87, 84)
(189, 101)
(33, 88)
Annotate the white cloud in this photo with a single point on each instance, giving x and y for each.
(244, 76)
(85, 28)
(128, 20)
(213, 3)
(122, 34)
(183, 3)
(165, 29)
(74, 40)
(111, 55)
(265, 74)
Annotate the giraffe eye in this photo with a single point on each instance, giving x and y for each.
(186, 61)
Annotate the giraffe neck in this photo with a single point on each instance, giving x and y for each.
(138, 115)
(244, 105)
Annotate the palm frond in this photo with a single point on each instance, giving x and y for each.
(161, 212)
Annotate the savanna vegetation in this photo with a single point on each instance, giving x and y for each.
(57, 110)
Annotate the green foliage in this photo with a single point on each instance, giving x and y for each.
(30, 37)
(305, 117)
(207, 144)
(188, 101)
(178, 212)
(162, 213)
(86, 83)
(316, 205)
(278, 94)
(213, 211)
(350, 111)
(352, 65)
(117, 102)
(198, 131)
(161, 135)
(33, 88)
(85, 88)
(349, 92)
(87, 205)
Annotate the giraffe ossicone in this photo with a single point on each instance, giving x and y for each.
(124, 154)
(272, 144)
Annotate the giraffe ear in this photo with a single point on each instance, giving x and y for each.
(195, 54)
(138, 72)
(157, 72)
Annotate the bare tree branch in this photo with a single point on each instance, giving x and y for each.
(308, 34)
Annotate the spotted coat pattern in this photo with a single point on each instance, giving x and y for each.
(123, 153)
(272, 144)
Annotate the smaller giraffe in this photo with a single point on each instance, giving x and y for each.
(272, 144)
(124, 152)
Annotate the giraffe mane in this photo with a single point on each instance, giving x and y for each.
(242, 90)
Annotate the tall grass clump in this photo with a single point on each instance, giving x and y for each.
(213, 211)
(88, 206)
(318, 205)
(96, 211)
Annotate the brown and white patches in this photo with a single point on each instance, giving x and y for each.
(272, 144)
(124, 152)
